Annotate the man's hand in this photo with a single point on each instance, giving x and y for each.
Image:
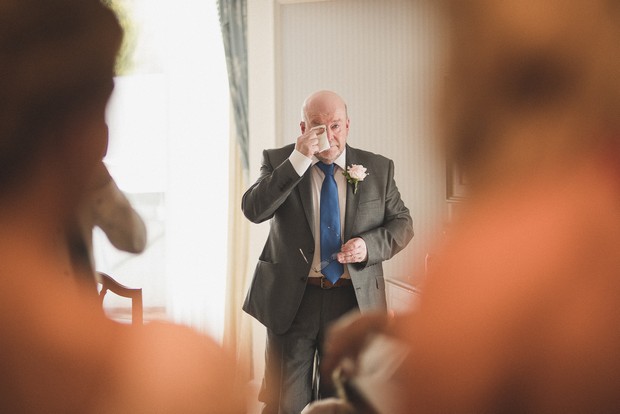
(353, 251)
(308, 142)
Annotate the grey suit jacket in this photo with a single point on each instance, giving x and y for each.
(376, 214)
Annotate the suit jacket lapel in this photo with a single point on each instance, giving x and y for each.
(352, 199)
(305, 193)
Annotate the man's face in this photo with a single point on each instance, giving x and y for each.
(330, 112)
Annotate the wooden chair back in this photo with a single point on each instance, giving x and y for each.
(107, 282)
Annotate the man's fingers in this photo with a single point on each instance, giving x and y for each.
(308, 144)
(318, 130)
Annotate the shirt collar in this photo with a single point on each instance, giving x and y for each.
(341, 161)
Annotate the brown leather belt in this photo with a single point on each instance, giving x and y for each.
(323, 283)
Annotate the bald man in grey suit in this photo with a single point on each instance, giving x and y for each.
(289, 293)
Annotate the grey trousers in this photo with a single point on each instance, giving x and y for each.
(289, 358)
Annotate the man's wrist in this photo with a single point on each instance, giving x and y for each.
(300, 162)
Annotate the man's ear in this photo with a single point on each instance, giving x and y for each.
(302, 125)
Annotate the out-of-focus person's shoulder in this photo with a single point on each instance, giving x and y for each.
(173, 369)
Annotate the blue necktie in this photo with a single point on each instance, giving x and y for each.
(330, 224)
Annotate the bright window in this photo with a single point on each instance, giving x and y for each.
(168, 151)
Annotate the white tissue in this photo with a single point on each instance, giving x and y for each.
(323, 141)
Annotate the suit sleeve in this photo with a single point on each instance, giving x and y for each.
(385, 241)
(270, 191)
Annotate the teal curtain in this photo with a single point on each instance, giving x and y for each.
(233, 21)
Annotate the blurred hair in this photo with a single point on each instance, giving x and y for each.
(56, 57)
(530, 81)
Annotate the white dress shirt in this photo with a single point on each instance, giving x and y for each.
(301, 163)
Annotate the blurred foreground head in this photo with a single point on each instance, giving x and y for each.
(521, 313)
(530, 83)
(56, 69)
(60, 354)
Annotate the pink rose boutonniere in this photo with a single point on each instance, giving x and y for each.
(354, 174)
